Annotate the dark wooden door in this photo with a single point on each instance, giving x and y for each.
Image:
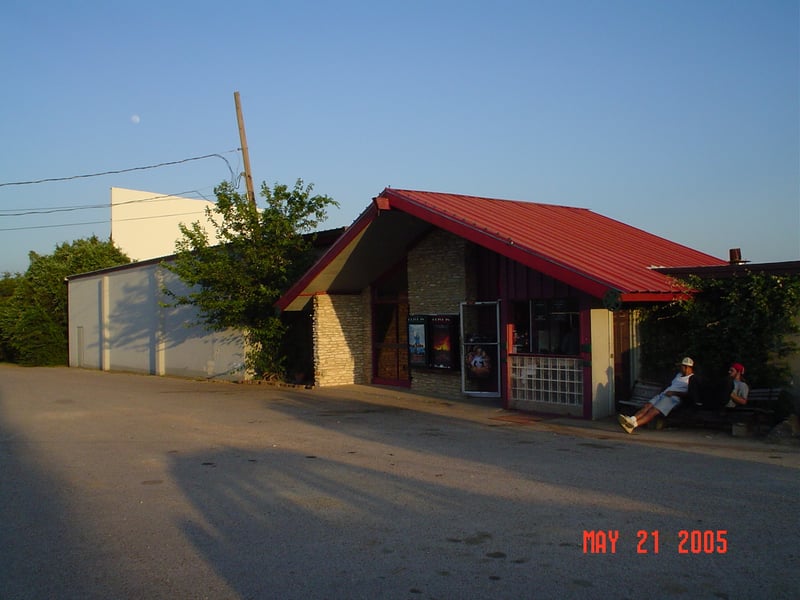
(390, 342)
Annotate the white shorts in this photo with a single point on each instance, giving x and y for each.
(664, 403)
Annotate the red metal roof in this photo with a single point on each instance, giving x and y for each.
(586, 250)
(570, 243)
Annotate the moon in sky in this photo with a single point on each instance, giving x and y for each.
(135, 119)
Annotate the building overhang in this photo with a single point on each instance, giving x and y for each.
(377, 240)
(382, 235)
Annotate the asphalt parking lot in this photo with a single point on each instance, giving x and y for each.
(130, 486)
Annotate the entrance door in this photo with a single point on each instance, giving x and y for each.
(480, 348)
(390, 327)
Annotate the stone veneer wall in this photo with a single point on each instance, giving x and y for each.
(339, 345)
(437, 284)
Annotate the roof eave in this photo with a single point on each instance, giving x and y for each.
(637, 297)
(291, 300)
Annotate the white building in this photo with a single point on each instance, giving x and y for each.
(146, 225)
(119, 321)
(119, 318)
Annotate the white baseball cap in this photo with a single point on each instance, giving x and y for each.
(688, 362)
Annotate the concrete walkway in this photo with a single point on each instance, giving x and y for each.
(689, 439)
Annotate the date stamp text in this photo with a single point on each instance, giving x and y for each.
(689, 541)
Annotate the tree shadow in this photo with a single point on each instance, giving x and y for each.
(294, 494)
(147, 335)
(42, 552)
(377, 501)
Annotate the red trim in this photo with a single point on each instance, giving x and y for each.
(655, 296)
(296, 291)
(382, 202)
(585, 320)
(506, 362)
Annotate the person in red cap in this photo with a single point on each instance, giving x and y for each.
(740, 389)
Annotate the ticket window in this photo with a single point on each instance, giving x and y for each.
(521, 319)
(555, 327)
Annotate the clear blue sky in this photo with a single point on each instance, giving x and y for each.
(678, 117)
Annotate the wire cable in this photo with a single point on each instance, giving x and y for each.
(104, 222)
(106, 205)
(116, 172)
(53, 226)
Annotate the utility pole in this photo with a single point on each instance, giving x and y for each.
(248, 178)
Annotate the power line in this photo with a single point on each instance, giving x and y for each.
(104, 222)
(161, 216)
(54, 226)
(164, 164)
(46, 211)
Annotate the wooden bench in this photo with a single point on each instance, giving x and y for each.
(642, 392)
(763, 399)
(762, 408)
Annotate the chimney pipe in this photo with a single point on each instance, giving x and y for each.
(736, 256)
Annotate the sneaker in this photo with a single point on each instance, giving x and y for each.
(626, 424)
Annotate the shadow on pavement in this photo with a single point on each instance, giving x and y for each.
(42, 552)
(377, 501)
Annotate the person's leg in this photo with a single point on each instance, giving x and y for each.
(643, 416)
(644, 411)
(648, 413)
(660, 406)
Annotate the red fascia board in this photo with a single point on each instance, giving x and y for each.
(569, 276)
(350, 233)
(634, 297)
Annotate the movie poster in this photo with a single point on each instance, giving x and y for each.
(417, 341)
(443, 341)
(480, 362)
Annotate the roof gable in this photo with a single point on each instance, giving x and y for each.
(589, 251)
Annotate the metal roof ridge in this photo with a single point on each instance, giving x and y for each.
(490, 199)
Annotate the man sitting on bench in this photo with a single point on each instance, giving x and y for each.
(663, 403)
(738, 396)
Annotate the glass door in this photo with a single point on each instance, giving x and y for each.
(480, 348)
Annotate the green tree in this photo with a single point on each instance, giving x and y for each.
(7, 286)
(261, 252)
(33, 319)
(750, 318)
